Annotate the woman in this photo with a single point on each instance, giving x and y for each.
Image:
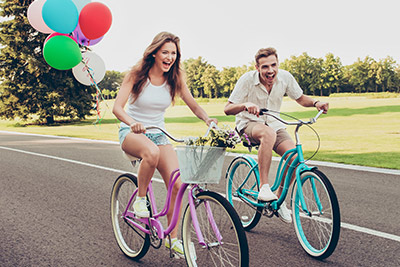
(151, 86)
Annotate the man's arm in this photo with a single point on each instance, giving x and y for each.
(233, 109)
(307, 101)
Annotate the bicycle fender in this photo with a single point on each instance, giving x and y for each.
(251, 160)
(305, 168)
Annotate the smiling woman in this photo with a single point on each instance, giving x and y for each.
(150, 87)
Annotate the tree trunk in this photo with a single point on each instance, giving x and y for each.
(49, 120)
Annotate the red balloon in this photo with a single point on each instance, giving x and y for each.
(95, 20)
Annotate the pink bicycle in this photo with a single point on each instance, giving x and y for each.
(212, 232)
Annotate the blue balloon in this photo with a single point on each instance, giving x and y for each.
(60, 15)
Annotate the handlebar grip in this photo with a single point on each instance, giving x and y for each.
(263, 111)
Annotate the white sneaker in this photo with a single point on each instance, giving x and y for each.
(177, 246)
(140, 207)
(284, 213)
(266, 194)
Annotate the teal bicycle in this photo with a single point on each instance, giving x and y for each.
(314, 205)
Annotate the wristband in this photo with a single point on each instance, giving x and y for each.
(315, 102)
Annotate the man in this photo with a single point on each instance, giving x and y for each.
(265, 88)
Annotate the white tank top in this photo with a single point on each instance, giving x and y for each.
(150, 106)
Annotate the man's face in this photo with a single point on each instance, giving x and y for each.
(268, 69)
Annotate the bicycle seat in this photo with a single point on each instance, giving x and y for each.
(246, 144)
(130, 157)
(250, 145)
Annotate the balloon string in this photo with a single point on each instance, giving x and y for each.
(99, 96)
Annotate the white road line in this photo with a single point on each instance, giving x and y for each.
(74, 161)
(312, 162)
(370, 231)
(343, 225)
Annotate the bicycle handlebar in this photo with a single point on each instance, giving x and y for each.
(212, 125)
(267, 112)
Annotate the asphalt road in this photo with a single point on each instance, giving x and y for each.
(54, 210)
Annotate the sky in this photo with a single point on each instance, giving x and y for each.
(228, 33)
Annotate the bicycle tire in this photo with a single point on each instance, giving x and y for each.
(319, 233)
(236, 173)
(233, 251)
(132, 242)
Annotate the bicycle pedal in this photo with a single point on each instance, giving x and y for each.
(175, 255)
(178, 256)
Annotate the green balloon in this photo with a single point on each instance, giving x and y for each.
(62, 52)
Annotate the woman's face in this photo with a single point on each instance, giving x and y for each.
(165, 56)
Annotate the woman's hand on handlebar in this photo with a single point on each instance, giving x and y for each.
(137, 127)
(210, 120)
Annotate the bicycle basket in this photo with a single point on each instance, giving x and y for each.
(200, 164)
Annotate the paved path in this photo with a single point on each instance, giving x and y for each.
(54, 211)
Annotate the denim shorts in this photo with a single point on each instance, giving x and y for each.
(157, 138)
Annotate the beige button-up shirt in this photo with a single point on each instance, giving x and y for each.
(250, 89)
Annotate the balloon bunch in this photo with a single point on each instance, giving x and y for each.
(72, 25)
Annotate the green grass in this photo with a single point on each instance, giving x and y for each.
(359, 129)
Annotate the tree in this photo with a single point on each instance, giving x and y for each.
(112, 81)
(359, 74)
(29, 86)
(211, 81)
(332, 74)
(307, 71)
(230, 76)
(195, 69)
(389, 79)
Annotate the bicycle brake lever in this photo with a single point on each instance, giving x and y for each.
(212, 125)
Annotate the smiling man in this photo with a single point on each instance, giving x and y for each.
(265, 87)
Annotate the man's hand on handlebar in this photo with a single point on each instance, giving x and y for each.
(252, 108)
(322, 106)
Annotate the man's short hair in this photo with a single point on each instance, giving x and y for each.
(265, 52)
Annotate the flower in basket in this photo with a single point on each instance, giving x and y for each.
(196, 141)
(221, 137)
(224, 137)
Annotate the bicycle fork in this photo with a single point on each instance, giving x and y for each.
(195, 221)
(313, 187)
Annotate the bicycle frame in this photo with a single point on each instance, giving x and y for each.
(294, 163)
(154, 222)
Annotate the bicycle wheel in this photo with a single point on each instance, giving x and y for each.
(133, 242)
(318, 233)
(232, 251)
(238, 171)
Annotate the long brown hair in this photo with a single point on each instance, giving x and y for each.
(140, 72)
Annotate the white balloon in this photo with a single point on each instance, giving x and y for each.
(35, 18)
(91, 70)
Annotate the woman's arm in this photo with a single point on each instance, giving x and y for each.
(194, 106)
(120, 102)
